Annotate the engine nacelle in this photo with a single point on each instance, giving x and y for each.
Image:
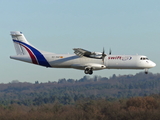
(96, 55)
(96, 66)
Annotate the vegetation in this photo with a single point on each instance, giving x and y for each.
(138, 108)
(118, 98)
(69, 91)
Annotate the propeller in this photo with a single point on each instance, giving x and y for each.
(110, 51)
(103, 55)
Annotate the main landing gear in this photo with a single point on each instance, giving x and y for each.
(88, 71)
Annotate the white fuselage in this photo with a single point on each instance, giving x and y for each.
(82, 59)
(110, 61)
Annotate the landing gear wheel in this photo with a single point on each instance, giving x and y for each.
(146, 72)
(88, 71)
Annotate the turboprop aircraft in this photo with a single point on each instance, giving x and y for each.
(82, 59)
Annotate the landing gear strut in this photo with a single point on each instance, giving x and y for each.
(146, 71)
(88, 71)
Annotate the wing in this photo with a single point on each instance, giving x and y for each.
(82, 52)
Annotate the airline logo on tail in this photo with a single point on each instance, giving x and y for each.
(35, 55)
(29, 50)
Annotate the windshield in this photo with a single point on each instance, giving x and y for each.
(144, 58)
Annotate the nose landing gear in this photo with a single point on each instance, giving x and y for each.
(146, 71)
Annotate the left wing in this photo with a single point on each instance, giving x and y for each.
(82, 52)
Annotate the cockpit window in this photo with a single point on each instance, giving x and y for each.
(144, 58)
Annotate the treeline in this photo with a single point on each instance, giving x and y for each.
(137, 108)
(69, 91)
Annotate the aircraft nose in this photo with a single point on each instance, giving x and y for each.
(150, 64)
(153, 64)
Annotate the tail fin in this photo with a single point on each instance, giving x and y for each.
(20, 42)
(24, 48)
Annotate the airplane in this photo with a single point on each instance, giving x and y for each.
(82, 59)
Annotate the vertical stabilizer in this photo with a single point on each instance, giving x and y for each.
(18, 40)
(27, 52)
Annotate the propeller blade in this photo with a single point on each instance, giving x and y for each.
(110, 51)
(103, 55)
(103, 51)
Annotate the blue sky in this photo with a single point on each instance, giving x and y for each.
(125, 26)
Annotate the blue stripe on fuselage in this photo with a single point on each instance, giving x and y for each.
(41, 59)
